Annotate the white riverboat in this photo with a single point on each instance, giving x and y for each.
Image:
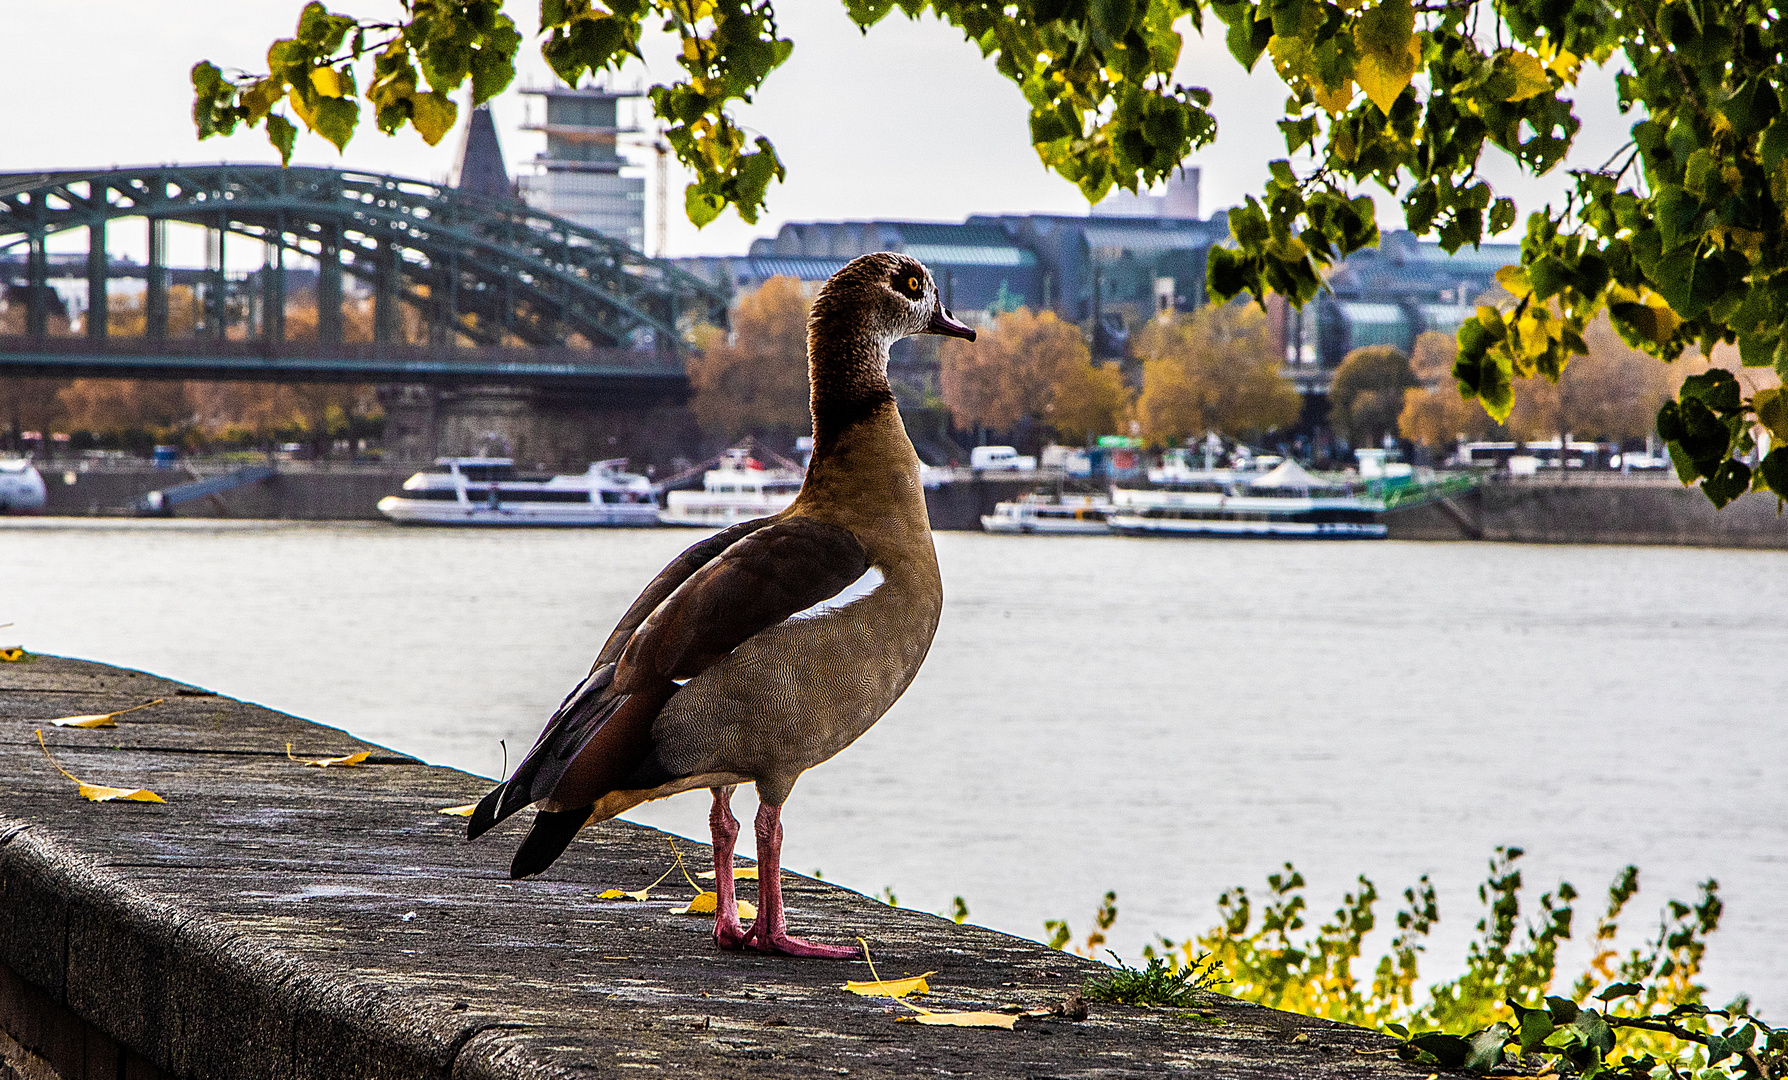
(1284, 503)
(1081, 515)
(489, 491)
(739, 488)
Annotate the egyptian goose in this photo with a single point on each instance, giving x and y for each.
(769, 647)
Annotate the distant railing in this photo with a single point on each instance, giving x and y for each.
(364, 351)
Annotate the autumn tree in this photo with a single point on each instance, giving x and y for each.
(1031, 366)
(754, 380)
(1366, 394)
(1212, 370)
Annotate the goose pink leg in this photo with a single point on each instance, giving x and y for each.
(728, 934)
(770, 932)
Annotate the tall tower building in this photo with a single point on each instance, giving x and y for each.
(579, 176)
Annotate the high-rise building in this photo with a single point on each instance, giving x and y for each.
(579, 176)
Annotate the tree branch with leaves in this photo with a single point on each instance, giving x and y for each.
(1682, 239)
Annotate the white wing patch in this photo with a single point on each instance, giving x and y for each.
(870, 581)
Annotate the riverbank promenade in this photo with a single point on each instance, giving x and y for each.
(276, 919)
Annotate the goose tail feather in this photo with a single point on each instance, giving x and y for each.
(552, 833)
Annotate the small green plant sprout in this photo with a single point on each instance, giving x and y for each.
(1160, 983)
(958, 912)
(1060, 935)
(887, 896)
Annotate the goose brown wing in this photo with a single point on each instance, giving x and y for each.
(591, 704)
(755, 583)
(600, 736)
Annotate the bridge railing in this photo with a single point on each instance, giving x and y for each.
(642, 360)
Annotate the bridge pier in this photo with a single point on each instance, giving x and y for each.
(37, 286)
(97, 314)
(533, 426)
(329, 286)
(155, 283)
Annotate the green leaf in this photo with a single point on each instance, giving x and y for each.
(1730, 480)
(1485, 1048)
(335, 120)
(1619, 990)
(1592, 1029)
(1536, 1025)
(1448, 1051)
(283, 136)
(701, 207)
(433, 114)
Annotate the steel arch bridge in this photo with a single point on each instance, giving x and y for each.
(507, 294)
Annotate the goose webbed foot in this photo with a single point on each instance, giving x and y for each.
(728, 933)
(769, 934)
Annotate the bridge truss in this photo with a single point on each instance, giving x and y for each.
(488, 279)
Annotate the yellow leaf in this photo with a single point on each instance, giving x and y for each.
(324, 763)
(1513, 279)
(326, 80)
(14, 655)
(433, 114)
(962, 1019)
(1384, 78)
(458, 811)
(707, 904)
(93, 720)
(304, 111)
(1529, 73)
(1390, 52)
(96, 792)
(1335, 99)
(894, 988)
(740, 873)
(1771, 407)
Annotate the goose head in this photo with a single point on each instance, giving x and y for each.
(881, 297)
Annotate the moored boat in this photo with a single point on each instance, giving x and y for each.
(739, 488)
(1285, 503)
(489, 491)
(1067, 514)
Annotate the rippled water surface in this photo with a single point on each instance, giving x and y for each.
(1162, 718)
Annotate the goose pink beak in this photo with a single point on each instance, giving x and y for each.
(942, 322)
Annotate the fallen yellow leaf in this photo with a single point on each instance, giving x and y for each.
(458, 811)
(740, 873)
(708, 903)
(894, 988)
(14, 655)
(962, 1019)
(922, 1015)
(97, 792)
(93, 720)
(324, 763)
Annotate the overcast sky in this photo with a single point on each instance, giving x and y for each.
(907, 122)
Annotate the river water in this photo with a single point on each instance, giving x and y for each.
(1163, 718)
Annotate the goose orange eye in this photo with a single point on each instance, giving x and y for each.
(910, 285)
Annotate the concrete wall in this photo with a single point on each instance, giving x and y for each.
(1611, 511)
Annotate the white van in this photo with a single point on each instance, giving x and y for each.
(999, 457)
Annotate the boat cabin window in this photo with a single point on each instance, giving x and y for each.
(478, 474)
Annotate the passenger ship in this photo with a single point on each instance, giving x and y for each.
(1286, 503)
(489, 491)
(1081, 515)
(739, 488)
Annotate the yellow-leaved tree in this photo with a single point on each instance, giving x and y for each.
(1032, 366)
(1366, 395)
(1212, 370)
(753, 381)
